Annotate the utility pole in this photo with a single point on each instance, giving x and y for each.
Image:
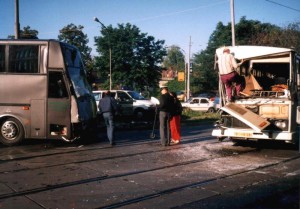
(189, 70)
(232, 22)
(17, 23)
(110, 73)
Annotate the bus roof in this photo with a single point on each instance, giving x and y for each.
(26, 40)
(244, 52)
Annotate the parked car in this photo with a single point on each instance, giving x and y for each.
(123, 99)
(207, 94)
(201, 104)
(131, 102)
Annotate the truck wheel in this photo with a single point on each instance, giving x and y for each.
(12, 132)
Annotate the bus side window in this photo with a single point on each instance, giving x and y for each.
(2, 58)
(56, 86)
(23, 59)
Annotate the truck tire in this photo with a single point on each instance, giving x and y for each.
(11, 131)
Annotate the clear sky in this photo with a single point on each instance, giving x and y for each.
(174, 21)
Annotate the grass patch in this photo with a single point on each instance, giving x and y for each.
(189, 116)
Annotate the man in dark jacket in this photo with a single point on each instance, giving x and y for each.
(108, 107)
(165, 107)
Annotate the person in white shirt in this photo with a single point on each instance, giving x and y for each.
(227, 66)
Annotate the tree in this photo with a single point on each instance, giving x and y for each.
(26, 33)
(248, 32)
(174, 59)
(74, 35)
(136, 57)
(288, 37)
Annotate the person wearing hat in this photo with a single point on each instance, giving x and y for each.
(227, 69)
(165, 108)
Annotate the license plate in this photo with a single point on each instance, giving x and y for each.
(243, 134)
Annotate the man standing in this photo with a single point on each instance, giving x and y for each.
(227, 66)
(165, 106)
(108, 107)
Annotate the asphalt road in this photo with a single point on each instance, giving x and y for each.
(139, 173)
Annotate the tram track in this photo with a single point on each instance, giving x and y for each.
(122, 175)
(193, 152)
(61, 154)
(145, 197)
(187, 186)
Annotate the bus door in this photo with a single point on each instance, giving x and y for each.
(59, 107)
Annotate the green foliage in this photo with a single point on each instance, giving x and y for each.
(175, 85)
(74, 35)
(26, 33)
(248, 32)
(190, 115)
(135, 56)
(174, 59)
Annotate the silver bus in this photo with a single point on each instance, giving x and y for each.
(269, 106)
(44, 92)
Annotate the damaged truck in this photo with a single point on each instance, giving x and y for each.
(268, 108)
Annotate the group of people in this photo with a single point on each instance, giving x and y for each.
(170, 107)
(170, 110)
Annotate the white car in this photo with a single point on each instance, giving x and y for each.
(131, 102)
(201, 104)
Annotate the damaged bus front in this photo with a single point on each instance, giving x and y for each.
(268, 107)
(44, 93)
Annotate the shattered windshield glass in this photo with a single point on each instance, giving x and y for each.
(76, 71)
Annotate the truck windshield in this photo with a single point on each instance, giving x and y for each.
(76, 71)
(136, 95)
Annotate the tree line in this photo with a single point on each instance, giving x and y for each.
(137, 59)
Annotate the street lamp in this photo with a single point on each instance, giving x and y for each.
(103, 26)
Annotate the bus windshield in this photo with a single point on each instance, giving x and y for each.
(76, 71)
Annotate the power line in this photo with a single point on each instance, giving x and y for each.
(283, 5)
(178, 12)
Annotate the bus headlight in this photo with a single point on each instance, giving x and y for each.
(281, 124)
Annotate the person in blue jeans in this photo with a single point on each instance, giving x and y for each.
(108, 107)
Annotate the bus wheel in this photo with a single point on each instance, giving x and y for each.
(12, 132)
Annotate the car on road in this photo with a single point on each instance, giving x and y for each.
(131, 102)
(201, 104)
(207, 95)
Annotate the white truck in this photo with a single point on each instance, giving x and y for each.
(269, 108)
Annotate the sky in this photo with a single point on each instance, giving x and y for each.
(185, 23)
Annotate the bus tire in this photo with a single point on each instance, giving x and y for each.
(11, 131)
